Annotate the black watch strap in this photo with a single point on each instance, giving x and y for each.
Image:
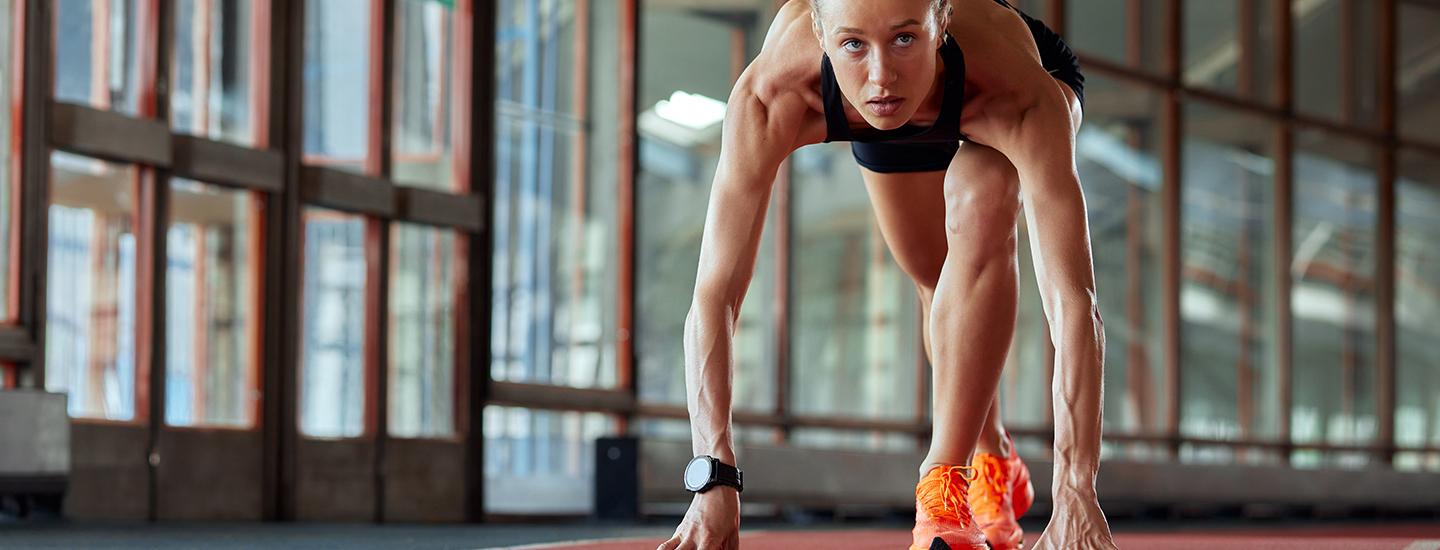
(729, 475)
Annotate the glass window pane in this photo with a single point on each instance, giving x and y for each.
(212, 87)
(1226, 455)
(852, 440)
(1332, 297)
(211, 314)
(1227, 310)
(332, 365)
(673, 429)
(91, 298)
(338, 117)
(96, 53)
(856, 315)
(9, 158)
(1101, 28)
(425, 94)
(1336, 73)
(1118, 155)
(556, 193)
(1228, 47)
(1418, 70)
(424, 277)
(1415, 462)
(540, 461)
(1417, 304)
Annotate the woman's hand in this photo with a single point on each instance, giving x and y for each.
(1076, 524)
(712, 523)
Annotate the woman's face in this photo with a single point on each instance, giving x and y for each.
(883, 52)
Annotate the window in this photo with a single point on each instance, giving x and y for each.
(1332, 292)
(1227, 310)
(92, 294)
(556, 201)
(333, 365)
(339, 121)
(97, 52)
(214, 90)
(10, 154)
(1417, 307)
(1336, 60)
(1417, 72)
(852, 440)
(426, 94)
(212, 312)
(424, 307)
(1228, 47)
(539, 461)
(1104, 28)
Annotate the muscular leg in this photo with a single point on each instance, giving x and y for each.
(910, 209)
(972, 319)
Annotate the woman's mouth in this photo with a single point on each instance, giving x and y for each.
(884, 105)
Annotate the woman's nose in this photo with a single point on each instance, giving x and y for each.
(880, 72)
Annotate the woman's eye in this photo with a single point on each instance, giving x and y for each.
(905, 39)
(851, 45)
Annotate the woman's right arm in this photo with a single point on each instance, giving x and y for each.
(757, 136)
(759, 133)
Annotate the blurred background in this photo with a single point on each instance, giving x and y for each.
(405, 260)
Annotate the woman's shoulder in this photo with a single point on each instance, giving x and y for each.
(788, 65)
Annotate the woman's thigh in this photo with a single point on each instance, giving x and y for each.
(910, 209)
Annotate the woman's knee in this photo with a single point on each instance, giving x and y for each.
(982, 204)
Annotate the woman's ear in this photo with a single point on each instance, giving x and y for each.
(944, 20)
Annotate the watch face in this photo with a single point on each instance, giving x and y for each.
(697, 473)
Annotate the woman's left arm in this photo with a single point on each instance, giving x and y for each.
(1039, 141)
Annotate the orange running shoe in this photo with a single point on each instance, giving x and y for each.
(942, 518)
(991, 499)
(1022, 491)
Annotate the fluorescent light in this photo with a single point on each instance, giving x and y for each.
(693, 111)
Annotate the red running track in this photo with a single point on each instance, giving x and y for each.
(1377, 537)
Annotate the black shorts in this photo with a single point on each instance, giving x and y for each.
(888, 158)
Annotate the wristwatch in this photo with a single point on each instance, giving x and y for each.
(705, 471)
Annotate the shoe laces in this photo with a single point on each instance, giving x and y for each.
(943, 495)
(991, 482)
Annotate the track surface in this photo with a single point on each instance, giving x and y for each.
(1388, 537)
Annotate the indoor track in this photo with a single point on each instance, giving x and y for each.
(1386, 537)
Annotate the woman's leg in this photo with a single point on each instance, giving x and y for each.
(972, 317)
(910, 210)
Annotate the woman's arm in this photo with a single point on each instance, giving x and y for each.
(758, 134)
(1041, 146)
(1040, 143)
(763, 121)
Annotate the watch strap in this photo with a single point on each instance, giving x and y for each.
(726, 474)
